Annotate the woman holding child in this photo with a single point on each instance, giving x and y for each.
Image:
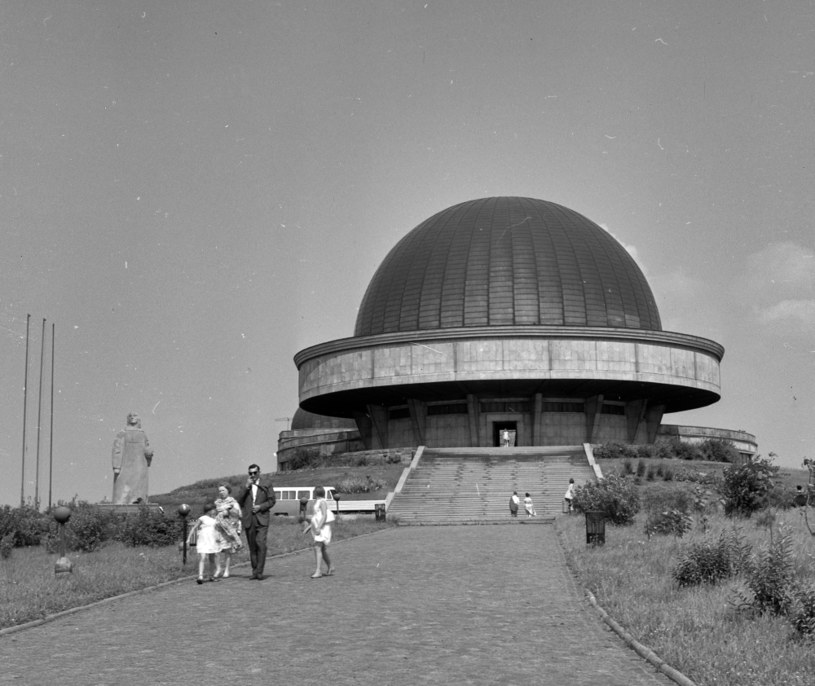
(229, 518)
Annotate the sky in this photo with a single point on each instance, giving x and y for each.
(192, 192)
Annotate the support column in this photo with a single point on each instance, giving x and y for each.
(653, 418)
(473, 419)
(634, 417)
(418, 419)
(365, 428)
(379, 419)
(537, 419)
(594, 408)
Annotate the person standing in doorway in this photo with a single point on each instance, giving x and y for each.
(255, 500)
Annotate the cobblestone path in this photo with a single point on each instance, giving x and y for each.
(407, 606)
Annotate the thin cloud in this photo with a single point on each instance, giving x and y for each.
(779, 280)
(793, 311)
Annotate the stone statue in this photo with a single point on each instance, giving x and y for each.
(132, 456)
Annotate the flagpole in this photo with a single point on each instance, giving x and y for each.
(39, 422)
(51, 428)
(25, 404)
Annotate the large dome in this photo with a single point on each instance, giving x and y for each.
(507, 261)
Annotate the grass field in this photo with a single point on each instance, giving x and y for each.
(695, 629)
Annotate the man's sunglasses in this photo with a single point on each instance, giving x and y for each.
(253, 473)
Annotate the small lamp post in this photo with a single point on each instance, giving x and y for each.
(183, 512)
(63, 566)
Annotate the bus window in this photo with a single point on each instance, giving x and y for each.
(303, 494)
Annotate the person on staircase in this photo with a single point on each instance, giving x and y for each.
(529, 507)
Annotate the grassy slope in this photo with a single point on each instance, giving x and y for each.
(207, 489)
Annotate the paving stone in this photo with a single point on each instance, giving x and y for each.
(407, 606)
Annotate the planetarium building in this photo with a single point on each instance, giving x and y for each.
(507, 317)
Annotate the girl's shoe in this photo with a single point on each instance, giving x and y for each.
(330, 571)
(316, 575)
(225, 574)
(199, 580)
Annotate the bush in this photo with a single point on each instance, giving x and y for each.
(686, 451)
(358, 485)
(802, 612)
(87, 529)
(6, 546)
(615, 496)
(150, 528)
(26, 524)
(614, 450)
(718, 450)
(746, 488)
(770, 579)
(668, 522)
(710, 562)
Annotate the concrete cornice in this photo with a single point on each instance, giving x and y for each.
(667, 338)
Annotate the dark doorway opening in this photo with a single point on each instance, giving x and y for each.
(504, 434)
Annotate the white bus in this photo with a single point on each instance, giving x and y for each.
(288, 499)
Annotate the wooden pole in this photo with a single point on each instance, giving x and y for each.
(25, 404)
(39, 423)
(51, 428)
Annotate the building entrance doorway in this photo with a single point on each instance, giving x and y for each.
(504, 434)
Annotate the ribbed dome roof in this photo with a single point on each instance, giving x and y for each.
(507, 261)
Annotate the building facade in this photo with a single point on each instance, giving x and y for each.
(509, 318)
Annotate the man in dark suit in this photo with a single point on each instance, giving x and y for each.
(256, 499)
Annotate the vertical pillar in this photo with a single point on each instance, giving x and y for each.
(418, 418)
(365, 427)
(379, 420)
(474, 420)
(634, 417)
(537, 420)
(653, 418)
(594, 408)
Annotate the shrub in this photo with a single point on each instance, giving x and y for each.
(616, 496)
(358, 485)
(802, 612)
(645, 450)
(641, 467)
(718, 450)
(668, 522)
(746, 488)
(6, 546)
(770, 579)
(148, 527)
(710, 562)
(26, 524)
(87, 529)
(686, 451)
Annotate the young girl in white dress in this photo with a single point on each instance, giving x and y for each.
(209, 542)
(320, 526)
(529, 507)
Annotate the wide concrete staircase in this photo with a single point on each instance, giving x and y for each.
(473, 485)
